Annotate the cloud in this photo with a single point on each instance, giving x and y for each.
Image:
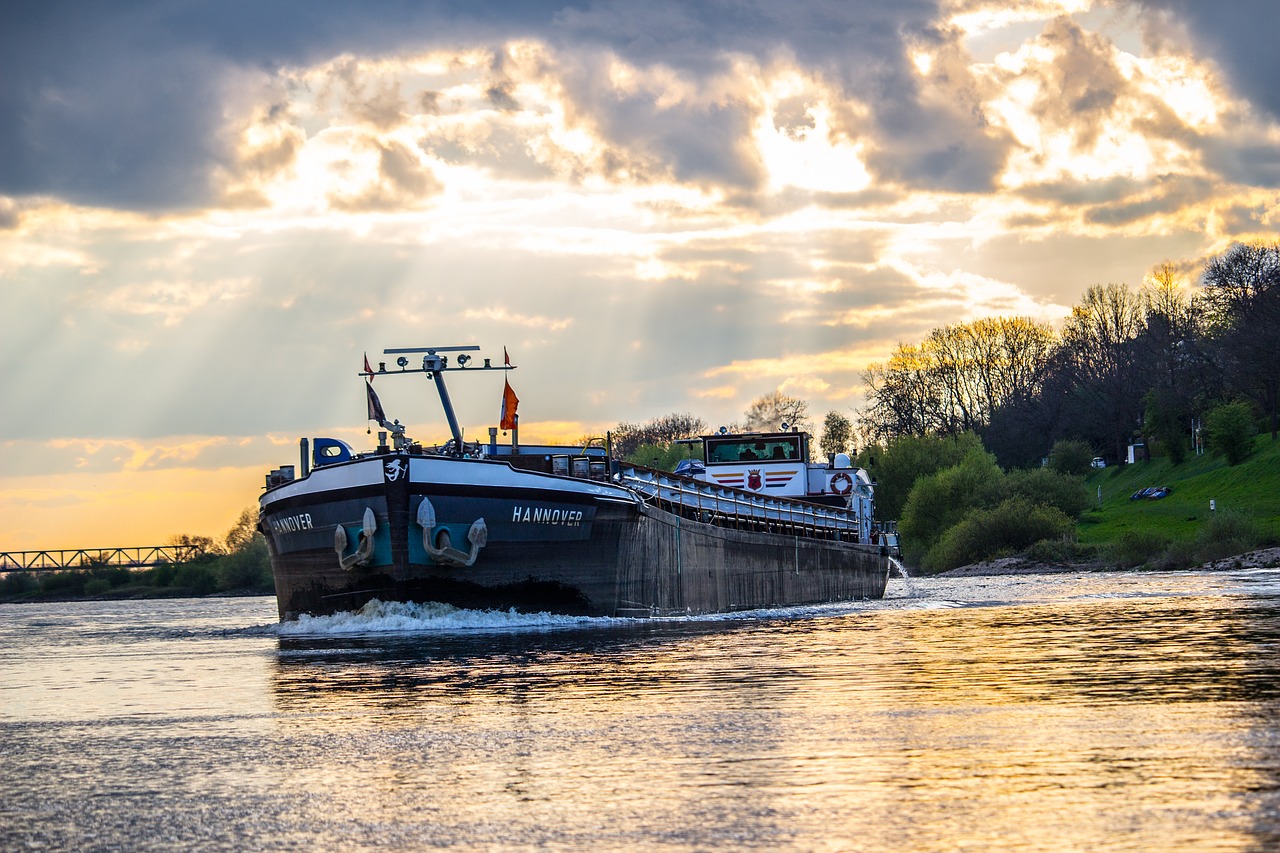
(208, 212)
(1237, 35)
(140, 109)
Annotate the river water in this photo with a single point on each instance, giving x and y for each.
(1065, 712)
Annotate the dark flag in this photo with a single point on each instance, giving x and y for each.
(509, 403)
(368, 371)
(375, 406)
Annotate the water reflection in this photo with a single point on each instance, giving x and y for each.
(1108, 724)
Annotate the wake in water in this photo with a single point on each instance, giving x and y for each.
(397, 617)
(394, 617)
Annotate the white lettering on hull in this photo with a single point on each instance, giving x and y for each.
(291, 523)
(542, 515)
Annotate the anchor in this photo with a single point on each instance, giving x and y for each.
(364, 550)
(440, 545)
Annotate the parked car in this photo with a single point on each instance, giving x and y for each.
(1098, 462)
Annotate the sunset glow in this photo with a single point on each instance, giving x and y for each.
(678, 211)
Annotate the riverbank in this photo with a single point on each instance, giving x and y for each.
(1262, 558)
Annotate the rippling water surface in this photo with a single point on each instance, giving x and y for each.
(1088, 712)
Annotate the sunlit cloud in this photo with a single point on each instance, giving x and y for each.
(190, 268)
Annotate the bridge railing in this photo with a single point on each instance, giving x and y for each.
(80, 558)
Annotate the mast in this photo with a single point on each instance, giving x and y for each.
(435, 365)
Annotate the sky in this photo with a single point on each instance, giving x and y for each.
(211, 211)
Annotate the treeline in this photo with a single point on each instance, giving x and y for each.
(1127, 365)
(240, 563)
(979, 437)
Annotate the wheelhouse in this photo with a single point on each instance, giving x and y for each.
(756, 447)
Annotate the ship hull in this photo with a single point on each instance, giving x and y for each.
(551, 543)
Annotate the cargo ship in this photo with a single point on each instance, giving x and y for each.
(752, 523)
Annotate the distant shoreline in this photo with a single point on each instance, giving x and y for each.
(1262, 558)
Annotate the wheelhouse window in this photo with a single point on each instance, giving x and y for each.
(763, 448)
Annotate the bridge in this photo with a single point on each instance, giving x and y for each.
(142, 557)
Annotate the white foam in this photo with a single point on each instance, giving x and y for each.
(396, 617)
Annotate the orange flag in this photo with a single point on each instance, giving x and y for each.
(509, 403)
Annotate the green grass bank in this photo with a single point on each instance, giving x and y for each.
(1213, 510)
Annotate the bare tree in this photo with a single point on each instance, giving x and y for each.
(957, 378)
(627, 437)
(1102, 359)
(769, 411)
(904, 396)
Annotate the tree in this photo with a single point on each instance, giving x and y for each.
(1179, 372)
(1108, 377)
(897, 466)
(770, 411)
(983, 364)
(204, 543)
(626, 438)
(905, 397)
(1070, 457)
(837, 433)
(939, 501)
(1229, 429)
(957, 378)
(1241, 299)
(242, 534)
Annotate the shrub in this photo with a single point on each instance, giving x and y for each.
(1012, 526)
(1179, 555)
(1226, 534)
(1066, 492)
(247, 568)
(113, 575)
(664, 457)
(1063, 550)
(941, 500)
(898, 467)
(63, 582)
(96, 586)
(162, 574)
(196, 576)
(1229, 430)
(1233, 526)
(1137, 547)
(17, 583)
(1071, 457)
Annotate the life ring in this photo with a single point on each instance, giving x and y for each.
(842, 484)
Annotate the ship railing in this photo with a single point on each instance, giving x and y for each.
(739, 509)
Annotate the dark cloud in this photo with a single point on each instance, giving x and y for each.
(1239, 35)
(1163, 196)
(1253, 162)
(122, 104)
(862, 47)
(125, 104)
